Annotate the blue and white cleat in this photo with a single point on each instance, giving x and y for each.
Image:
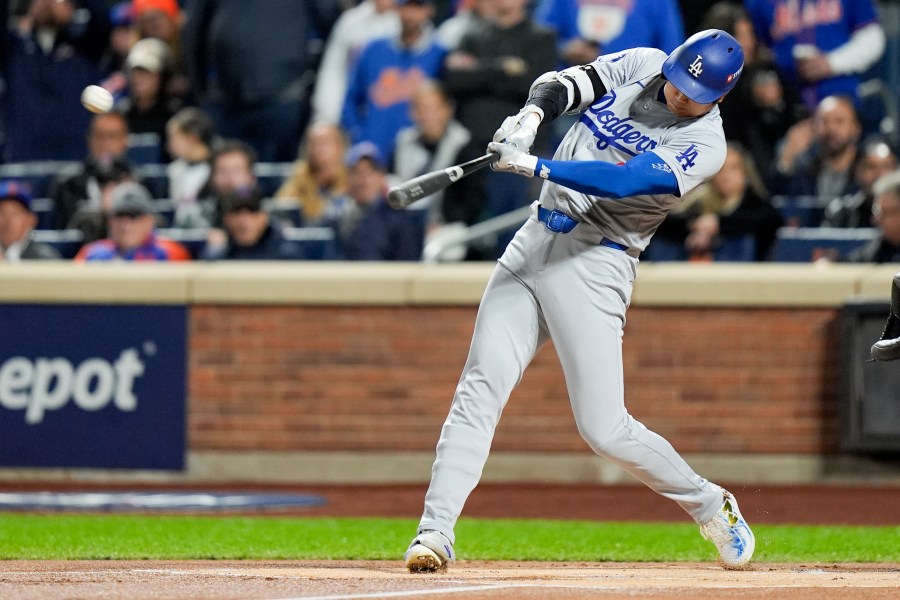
(429, 552)
(730, 533)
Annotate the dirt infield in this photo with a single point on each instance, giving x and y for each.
(221, 580)
(213, 580)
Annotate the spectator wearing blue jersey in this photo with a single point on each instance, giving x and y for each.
(388, 73)
(587, 28)
(821, 46)
(47, 60)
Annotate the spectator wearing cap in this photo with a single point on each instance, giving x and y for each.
(251, 234)
(132, 231)
(159, 19)
(366, 227)
(46, 61)
(121, 38)
(148, 106)
(387, 74)
(16, 222)
(80, 189)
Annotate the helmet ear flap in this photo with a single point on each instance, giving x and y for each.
(706, 66)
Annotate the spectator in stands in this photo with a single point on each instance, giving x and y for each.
(79, 189)
(876, 160)
(366, 227)
(122, 37)
(159, 19)
(821, 47)
(190, 134)
(16, 222)
(319, 175)
(434, 142)
(470, 15)
(47, 61)
(488, 76)
(91, 219)
(251, 66)
(231, 165)
(132, 234)
(732, 204)
(886, 216)
(586, 30)
(356, 27)
(387, 74)
(817, 156)
(251, 235)
(762, 106)
(148, 106)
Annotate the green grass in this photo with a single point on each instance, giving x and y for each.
(26, 536)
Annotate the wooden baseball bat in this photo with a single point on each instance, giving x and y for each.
(401, 196)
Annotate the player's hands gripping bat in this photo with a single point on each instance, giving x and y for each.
(521, 128)
(513, 160)
(406, 193)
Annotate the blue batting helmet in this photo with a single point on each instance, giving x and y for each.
(706, 66)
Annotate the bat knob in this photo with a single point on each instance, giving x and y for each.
(398, 198)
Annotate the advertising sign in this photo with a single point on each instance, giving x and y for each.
(92, 386)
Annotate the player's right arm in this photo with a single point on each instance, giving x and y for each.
(574, 89)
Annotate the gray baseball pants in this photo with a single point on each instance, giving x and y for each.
(568, 289)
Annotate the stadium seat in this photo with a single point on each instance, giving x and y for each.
(731, 249)
(805, 244)
(270, 176)
(318, 243)
(284, 211)
(67, 241)
(144, 148)
(800, 211)
(45, 211)
(663, 250)
(38, 175)
(165, 212)
(192, 239)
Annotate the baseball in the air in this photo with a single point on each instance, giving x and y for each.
(96, 99)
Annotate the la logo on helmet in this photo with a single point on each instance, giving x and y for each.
(696, 67)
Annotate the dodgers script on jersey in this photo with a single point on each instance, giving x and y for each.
(631, 120)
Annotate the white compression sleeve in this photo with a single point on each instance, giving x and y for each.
(865, 46)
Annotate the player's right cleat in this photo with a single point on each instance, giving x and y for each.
(888, 347)
(730, 533)
(429, 552)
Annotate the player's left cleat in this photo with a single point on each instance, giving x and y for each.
(429, 552)
(888, 347)
(730, 533)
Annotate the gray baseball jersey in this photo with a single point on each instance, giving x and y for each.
(630, 120)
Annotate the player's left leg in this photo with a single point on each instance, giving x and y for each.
(584, 304)
(508, 331)
(888, 346)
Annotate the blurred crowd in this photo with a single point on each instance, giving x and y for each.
(272, 130)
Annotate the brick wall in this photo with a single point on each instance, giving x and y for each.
(371, 378)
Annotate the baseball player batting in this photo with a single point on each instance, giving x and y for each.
(888, 347)
(649, 131)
